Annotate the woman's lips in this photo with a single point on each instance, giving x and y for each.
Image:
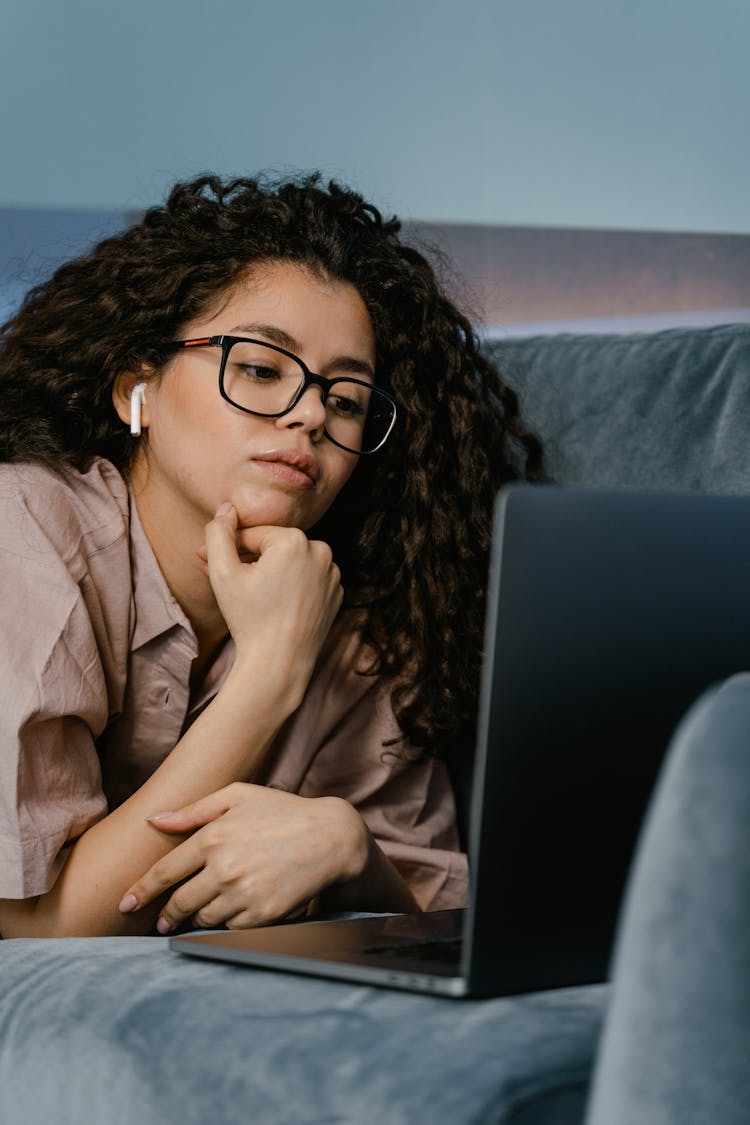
(296, 469)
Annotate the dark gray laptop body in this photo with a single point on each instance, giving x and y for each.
(608, 614)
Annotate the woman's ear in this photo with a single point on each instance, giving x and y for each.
(130, 398)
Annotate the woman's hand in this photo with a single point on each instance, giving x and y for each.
(255, 855)
(278, 591)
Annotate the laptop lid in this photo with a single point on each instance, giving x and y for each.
(609, 613)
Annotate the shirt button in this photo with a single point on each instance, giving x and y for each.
(167, 697)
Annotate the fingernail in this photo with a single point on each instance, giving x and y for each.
(159, 816)
(163, 926)
(130, 902)
(225, 507)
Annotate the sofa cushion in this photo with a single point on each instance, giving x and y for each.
(119, 1030)
(665, 409)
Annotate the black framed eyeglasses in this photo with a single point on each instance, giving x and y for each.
(268, 381)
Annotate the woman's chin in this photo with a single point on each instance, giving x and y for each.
(272, 513)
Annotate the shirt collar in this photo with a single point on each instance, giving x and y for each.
(156, 610)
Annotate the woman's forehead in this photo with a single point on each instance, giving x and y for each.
(300, 304)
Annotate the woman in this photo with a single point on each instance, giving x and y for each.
(198, 418)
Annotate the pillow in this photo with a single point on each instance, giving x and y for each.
(666, 410)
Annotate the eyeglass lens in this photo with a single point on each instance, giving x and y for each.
(264, 381)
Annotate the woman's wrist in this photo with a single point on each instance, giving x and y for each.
(259, 681)
(278, 682)
(364, 879)
(353, 841)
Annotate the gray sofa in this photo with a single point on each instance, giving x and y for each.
(123, 1030)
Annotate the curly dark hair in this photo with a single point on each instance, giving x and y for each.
(411, 528)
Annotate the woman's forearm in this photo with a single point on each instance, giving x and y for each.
(225, 744)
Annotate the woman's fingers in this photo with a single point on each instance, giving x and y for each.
(200, 812)
(221, 545)
(182, 861)
(196, 895)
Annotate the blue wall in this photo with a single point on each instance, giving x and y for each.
(612, 113)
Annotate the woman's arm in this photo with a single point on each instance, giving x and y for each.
(279, 611)
(256, 855)
(386, 842)
(221, 746)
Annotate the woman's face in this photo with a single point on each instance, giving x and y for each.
(201, 451)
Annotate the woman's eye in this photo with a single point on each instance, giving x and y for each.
(346, 406)
(257, 372)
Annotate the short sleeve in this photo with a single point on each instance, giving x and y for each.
(53, 702)
(333, 746)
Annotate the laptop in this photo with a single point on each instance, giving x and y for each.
(608, 614)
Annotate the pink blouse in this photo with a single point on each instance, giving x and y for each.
(95, 658)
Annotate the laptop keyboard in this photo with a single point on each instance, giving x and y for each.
(447, 951)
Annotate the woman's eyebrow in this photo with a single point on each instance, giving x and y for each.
(278, 336)
(351, 366)
(271, 332)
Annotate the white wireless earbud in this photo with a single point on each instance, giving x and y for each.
(137, 396)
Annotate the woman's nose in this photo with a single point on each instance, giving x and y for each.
(309, 413)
